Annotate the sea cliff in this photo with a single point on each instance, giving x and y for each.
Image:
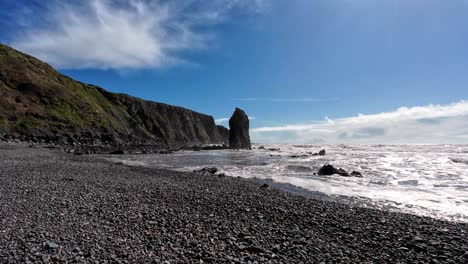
(39, 104)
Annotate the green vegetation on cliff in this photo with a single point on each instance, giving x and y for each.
(37, 102)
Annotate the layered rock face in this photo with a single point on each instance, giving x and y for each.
(39, 103)
(224, 133)
(239, 130)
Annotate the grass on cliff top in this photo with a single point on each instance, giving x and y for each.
(8, 53)
(53, 99)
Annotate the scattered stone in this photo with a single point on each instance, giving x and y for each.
(298, 156)
(327, 170)
(276, 248)
(253, 249)
(196, 148)
(138, 214)
(207, 170)
(320, 153)
(68, 179)
(342, 172)
(215, 147)
(118, 152)
(356, 174)
(418, 239)
(330, 170)
(51, 246)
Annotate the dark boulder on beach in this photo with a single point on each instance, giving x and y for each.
(196, 148)
(327, 170)
(299, 156)
(207, 171)
(320, 153)
(330, 170)
(356, 174)
(342, 172)
(239, 130)
(118, 152)
(215, 147)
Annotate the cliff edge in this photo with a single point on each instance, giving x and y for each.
(39, 104)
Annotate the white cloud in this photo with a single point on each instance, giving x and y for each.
(124, 34)
(222, 120)
(226, 119)
(420, 124)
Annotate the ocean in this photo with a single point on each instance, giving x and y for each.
(427, 180)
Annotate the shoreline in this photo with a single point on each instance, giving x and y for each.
(61, 207)
(355, 201)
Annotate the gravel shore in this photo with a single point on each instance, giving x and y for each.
(57, 207)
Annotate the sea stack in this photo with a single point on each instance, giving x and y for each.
(239, 130)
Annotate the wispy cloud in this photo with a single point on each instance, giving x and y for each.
(287, 100)
(221, 120)
(125, 34)
(420, 124)
(226, 119)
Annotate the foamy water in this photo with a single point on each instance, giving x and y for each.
(429, 180)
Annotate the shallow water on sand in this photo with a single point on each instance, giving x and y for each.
(429, 180)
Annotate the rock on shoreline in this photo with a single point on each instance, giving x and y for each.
(239, 130)
(330, 170)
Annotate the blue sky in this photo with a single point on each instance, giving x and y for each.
(309, 71)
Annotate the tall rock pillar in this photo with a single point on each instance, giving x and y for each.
(239, 130)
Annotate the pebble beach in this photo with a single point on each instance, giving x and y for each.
(61, 208)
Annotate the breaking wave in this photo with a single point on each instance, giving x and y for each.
(418, 179)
